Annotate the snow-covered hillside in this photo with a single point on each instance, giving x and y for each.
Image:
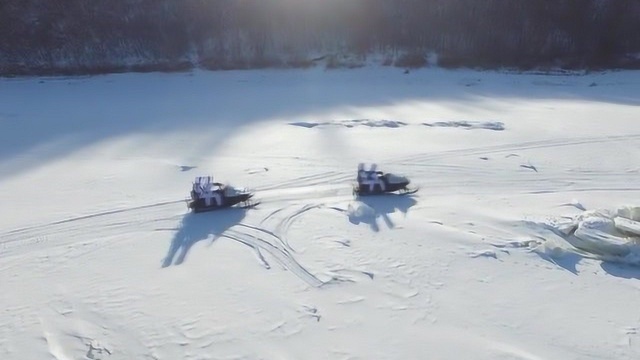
(521, 244)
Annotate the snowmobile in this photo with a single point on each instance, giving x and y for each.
(207, 195)
(373, 182)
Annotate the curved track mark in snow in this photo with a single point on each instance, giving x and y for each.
(267, 232)
(266, 218)
(283, 226)
(281, 255)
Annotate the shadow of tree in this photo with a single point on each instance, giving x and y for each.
(57, 126)
(196, 227)
(368, 209)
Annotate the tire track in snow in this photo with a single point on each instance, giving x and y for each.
(307, 193)
(286, 223)
(548, 181)
(275, 243)
(277, 252)
(300, 188)
(268, 233)
(305, 181)
(297, 186)
(536, 144)
(551, 191)
(90, 216)
(78, 230)
(552, 180)
(283, 225)
(288, 219)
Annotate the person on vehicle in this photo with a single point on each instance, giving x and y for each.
(375, 177)
(361, 173)
(370, 177)
(218, 192)
(203, 187)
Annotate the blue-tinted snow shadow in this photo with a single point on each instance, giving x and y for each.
(568, 261)
(58, 116)
(621, 270)
(372, 209)
(197, 227)
(570, 257)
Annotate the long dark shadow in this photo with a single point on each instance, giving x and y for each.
(379, 207)
(197, 227)
(44, 119)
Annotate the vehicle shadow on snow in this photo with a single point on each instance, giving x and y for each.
(369, 209)
(196, 227)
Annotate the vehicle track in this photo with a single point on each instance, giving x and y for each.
(90, 216)
(79, 229)
(418, 159)
(306, 188)
(327, 177)
(276, 250)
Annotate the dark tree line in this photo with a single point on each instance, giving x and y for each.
(80, 36)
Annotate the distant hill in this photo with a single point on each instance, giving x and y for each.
(77, 36)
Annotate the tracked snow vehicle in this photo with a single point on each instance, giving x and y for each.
(374, 182)
(207, 195)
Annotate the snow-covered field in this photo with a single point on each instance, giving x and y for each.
(521, 243)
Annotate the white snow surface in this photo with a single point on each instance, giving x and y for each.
(521, 243)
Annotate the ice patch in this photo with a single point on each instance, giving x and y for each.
(379, 123)
(529, 166)
(603, 234)
(484, 253)
(629, 212)
(553, 249)
(305, 124)
(469, 125)
(598, 235)
(628, 226)
(352, 123)
(376, 123)
(576, 204)
(184, 168)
